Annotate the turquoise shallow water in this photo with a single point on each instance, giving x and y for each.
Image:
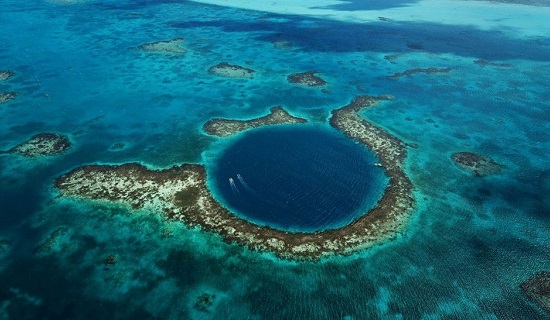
(470, 243)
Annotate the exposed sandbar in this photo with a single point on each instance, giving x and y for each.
(6, 74)
(307, 78)
(225, 69)
(477, 164)
(180, 193)
(7, 96)
(411, 72)
(537, 289)
(43, 144)
(226, 127)
(165, 46)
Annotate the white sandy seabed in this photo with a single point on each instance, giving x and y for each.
(518, 20)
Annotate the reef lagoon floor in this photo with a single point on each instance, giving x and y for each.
(320, 159)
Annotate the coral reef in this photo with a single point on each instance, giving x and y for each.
(165, 46)
(226, 127)
(307, 78)
(43, 144)
(225, 69)
(478, 165)
(180, 193)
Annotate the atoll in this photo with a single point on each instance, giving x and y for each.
(43, 144)
(478, 165)
(226, 127)
(7, 96)
(165, 46)
(225, 69)
(537, 289)
(410, 72)
(180, 193)
(307, 78)
(6, 74)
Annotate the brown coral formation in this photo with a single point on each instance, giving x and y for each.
(411, 72)
(165, 46)
(226, 127)
(477, 164)
(6, 74)
(43, 144)
(307, 78)
(537, 289)
(7, 96)
(180, 193)
(225, 69)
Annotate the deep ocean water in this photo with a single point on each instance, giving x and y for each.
(298, 179)
(78, 70)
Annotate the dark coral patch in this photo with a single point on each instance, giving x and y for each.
(537, 289)
(411, 72)
(307, 78)
(477, 164)
(204, 302)
(43, 144)
(7, 96)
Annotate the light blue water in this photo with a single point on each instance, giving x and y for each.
(469, 245)
(298, 178)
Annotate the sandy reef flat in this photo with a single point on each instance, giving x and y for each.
(165, 46)
(224, 69)
(6, 74)
(180, 193)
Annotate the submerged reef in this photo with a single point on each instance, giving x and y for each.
(165, 46)
(204, 302)
(410, 72)
(43, 144)
(225, 69)
(537, 289)
(226, 127)
(478, 165)
(483, 63)
(7, 96)
(6, 74)
(180, 193)
(307, 78)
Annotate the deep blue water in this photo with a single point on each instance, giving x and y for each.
(298, 178)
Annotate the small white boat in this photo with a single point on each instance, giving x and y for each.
(378, 164)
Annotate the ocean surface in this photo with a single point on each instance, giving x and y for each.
(297, 178)
(471, 241)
